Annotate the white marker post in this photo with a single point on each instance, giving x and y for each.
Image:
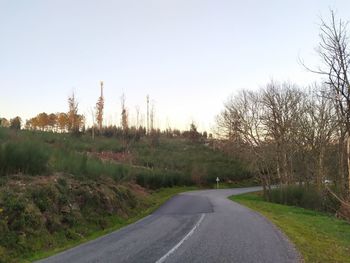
(217, 182)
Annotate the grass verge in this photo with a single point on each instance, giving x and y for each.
(318, 237)
(155, 200)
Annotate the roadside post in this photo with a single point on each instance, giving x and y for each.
(217, 182)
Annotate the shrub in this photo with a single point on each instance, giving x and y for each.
(25, 157)
(44, 197)
(4, 133)
(305, 196)
(4, 257)
(83, 166)
(155, 179)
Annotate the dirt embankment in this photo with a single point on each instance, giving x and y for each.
(43, 212)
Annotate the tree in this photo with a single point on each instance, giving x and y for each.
(285, 134)
(15, 123)
(74, 120)
(151, 117)
(280, 104)
(205, 135)
(52, 121)
(147, 98)
(317, 130)
(137, 108)
(4, 122)
(194, 134)
(335, 55)
(43, 121)
(124, 121)
(62, 121)
(245, 111)
(99, 109)
(32, 124)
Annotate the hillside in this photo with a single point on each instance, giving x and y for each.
(56, 189)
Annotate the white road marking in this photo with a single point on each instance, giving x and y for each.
(163, 258)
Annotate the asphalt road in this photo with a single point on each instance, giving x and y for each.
(198, 226)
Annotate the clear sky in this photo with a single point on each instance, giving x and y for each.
(188, 55)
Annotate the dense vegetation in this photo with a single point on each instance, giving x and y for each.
(171, 161)
(291, 135)
(319, 237)
(57, 188)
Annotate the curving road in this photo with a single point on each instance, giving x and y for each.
(198, 226)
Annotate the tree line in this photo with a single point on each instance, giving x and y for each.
(293, 134)
(14, 123)
(59, 122)
(289, 134)
(73, 122)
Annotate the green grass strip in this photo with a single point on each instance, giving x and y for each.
(318, 237)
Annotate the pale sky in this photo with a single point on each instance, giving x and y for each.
(188, 55)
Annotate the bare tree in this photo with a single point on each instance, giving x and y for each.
(73, 117)
(137, 108)
(242, 116)
(124, 121)
(152, 115)
(93, 124)
(317, 130)
(228, 123)
(281, 132)
(335, 54)
(99, 109)
(281, 109)
(147, 114)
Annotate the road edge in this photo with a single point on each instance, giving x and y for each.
(278, 230)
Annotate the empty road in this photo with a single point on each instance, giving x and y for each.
(198, 226)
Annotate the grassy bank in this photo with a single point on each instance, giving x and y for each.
(169, 162)
(58, 190)
(153, 201)
(318, 237)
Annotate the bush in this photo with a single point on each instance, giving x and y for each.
(4, 133)
(44, 197)
(305, 196)
(155, 179)
(25, 157)
(86, 167)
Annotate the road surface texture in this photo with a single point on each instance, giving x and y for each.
(198, 226)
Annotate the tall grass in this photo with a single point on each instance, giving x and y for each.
(3, 133)
(38, 153)
(172, 162)
(83, 166)
(23, 157)
(191, 159)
